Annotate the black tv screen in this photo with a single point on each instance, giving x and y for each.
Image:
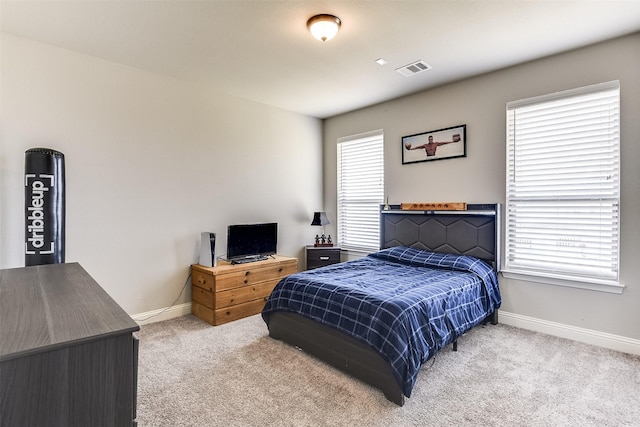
(251, 239)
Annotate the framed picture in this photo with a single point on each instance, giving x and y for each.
(438, 144)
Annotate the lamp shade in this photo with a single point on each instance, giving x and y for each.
(320, 218)
(324, 27)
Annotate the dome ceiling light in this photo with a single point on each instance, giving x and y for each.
(324, 27)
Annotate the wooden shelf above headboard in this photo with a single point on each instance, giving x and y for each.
(439, 206)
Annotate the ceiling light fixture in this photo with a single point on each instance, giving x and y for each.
(324, 27)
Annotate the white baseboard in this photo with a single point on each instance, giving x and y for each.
(588, 336)
(162, 314)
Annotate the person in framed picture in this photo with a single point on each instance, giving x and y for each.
(431, 146)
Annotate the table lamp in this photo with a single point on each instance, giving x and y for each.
(320, 219)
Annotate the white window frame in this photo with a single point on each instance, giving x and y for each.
(563, 188)
(360, 190)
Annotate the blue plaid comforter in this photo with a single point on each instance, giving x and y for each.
(404, 302)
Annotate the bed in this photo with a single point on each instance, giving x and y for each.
(381, 317)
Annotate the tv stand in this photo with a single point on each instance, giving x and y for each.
(229, 291)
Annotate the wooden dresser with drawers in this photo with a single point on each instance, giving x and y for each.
(229, 292)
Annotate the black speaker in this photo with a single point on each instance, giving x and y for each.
(44, 210)
(208, 249)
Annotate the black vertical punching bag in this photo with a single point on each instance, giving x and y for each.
(44, 207)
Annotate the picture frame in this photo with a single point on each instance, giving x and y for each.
(446, 143)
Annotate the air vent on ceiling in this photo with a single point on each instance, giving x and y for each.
(413, 68)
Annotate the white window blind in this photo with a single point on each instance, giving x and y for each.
(563, 185)
(360, 190)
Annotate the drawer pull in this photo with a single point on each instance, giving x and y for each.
(324, 258)
(247, 273)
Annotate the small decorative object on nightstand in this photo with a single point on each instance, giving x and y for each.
(319, 256)
(320, 219)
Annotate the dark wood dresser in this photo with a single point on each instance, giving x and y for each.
(68, 355)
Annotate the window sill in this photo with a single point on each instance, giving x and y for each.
(591, 285)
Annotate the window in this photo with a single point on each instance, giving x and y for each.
(563, 187)
(360, 190)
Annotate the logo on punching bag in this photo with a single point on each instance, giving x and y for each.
(44, 207)
(39, 186)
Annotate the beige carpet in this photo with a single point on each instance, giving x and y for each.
(193, 374)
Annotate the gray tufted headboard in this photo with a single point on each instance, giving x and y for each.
(474, 232)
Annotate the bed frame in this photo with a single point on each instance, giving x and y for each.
(472, 232)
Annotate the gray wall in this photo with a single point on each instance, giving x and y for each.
(151, 162)
(480, 103)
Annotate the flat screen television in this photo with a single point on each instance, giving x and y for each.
(246, 240)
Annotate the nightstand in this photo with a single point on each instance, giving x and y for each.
(319, 256)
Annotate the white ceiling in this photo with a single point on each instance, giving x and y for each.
(261, 49)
